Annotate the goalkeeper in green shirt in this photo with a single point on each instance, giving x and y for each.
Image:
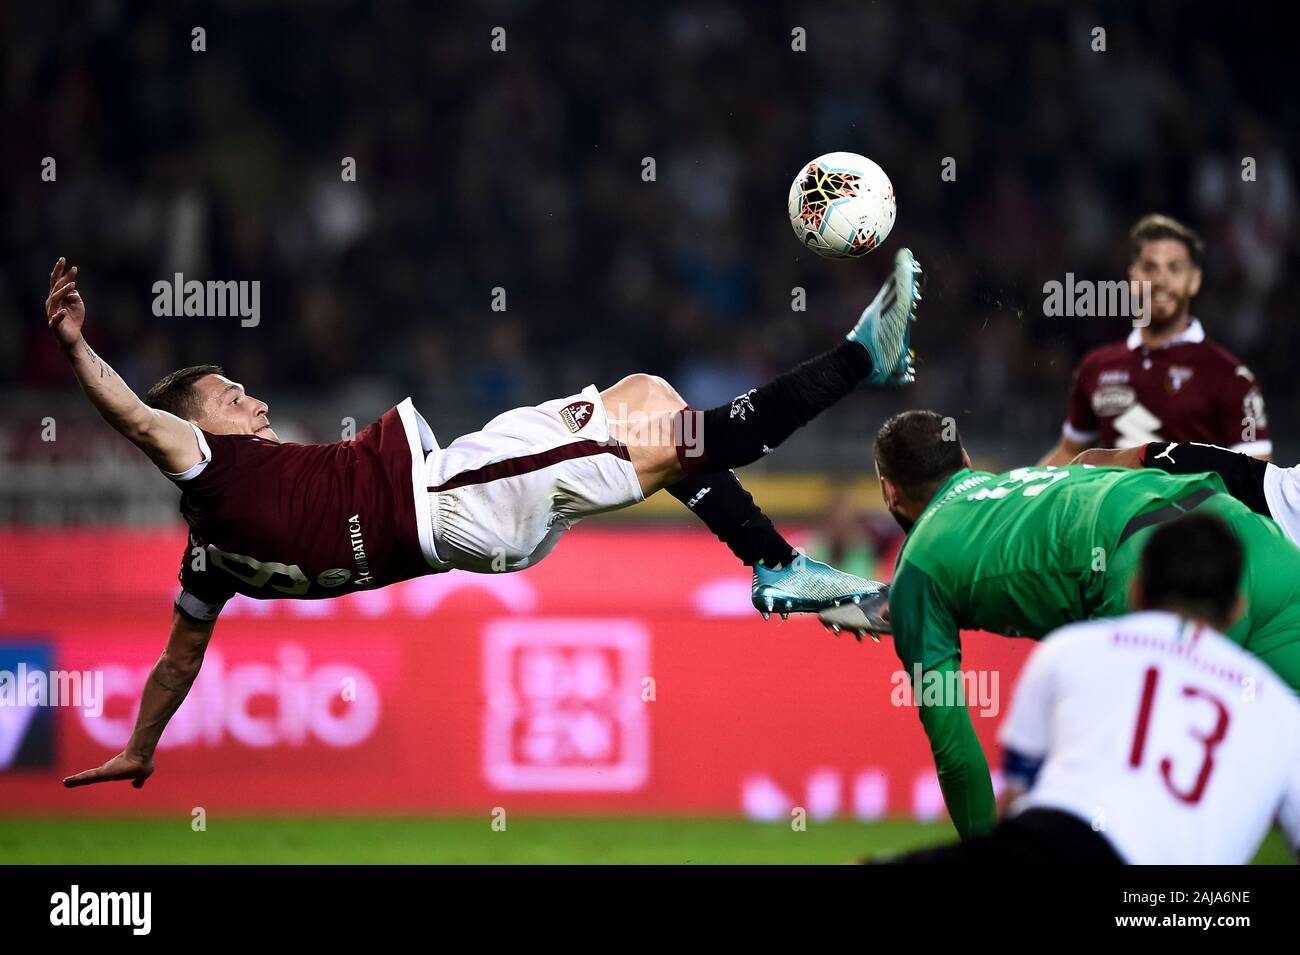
(1028, 551)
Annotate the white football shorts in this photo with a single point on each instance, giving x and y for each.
(500, 498)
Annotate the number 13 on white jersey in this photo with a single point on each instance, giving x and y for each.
(1173, 742)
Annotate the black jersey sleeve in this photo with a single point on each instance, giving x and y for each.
(1242, 474)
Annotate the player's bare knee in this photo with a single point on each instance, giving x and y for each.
(623, 393)
(666, 395)
(641, 393)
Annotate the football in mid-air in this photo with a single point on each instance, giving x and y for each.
(842, 205)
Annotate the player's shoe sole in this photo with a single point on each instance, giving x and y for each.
(867, 616)
(884, 328)
(807, 586)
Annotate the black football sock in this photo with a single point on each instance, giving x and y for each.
(731, 436)
(727, 508)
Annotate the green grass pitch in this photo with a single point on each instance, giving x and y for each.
(670, 841)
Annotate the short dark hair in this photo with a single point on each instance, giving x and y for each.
(175, 392)
(1192, 565)
(1156, 226)
(918, 450)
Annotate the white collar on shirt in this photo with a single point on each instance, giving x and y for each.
(1194, 332)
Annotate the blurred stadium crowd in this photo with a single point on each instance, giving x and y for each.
(522, 170)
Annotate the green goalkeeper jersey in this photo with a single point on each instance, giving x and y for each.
(1019, 554)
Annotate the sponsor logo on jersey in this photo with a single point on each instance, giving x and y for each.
(1178, 376)
(1113, 376)
(575, 416)
(334, 577)
(1110, 401)
(1136, 426)
(359, 551)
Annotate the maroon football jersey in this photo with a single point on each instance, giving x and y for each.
(301, 521)
(1125, 395)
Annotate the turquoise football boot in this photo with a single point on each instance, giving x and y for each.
(807, 586)
(884, 329)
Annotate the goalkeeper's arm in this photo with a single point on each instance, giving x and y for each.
(925, 630)
(958, 757)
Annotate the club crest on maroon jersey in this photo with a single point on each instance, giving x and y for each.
(576, 415)
(1179, 375)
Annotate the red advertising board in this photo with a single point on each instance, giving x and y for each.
(626, 673)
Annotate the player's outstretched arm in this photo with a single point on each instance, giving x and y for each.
(1110, 457)
(1064, 451)
(168, 684)
(167, 440)
(1242, 474)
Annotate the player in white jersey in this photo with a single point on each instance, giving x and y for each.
(1269, 490)
(1149, 738)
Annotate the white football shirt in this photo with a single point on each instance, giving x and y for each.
(1170, 740)
(1282, 491)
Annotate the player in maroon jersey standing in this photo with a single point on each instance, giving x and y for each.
(273, 520)
(1166, 381)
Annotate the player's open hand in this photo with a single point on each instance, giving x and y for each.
(65, 311)
(120, 767)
